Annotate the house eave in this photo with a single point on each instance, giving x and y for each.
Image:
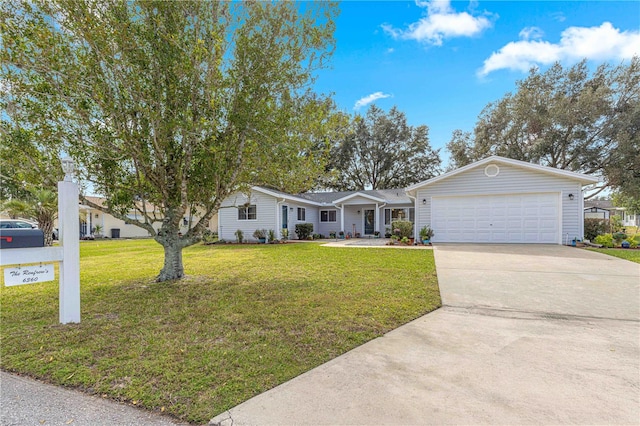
(286, 196)
(580, 177)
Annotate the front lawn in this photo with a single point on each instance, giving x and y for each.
(628, 254)
(246, 319)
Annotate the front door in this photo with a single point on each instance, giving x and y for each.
(285, 217)
(369, 222)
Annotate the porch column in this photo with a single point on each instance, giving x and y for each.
(377, 219)
(342, 220)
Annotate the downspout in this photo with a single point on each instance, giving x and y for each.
(415, 214)
(378, 216)
(341, 218)
(278, 216)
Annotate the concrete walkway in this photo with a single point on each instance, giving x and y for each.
(527, 335)
(372, 242)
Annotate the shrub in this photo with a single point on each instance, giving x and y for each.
(426, 233)
(260, 234)
(239, 235)
(594, 227)
(285, 234)
(304, 230)
(618, 237)
(606, 240)
(209, 236)
(615, 223)
(402, 228)
(318, 236)
(271, 236)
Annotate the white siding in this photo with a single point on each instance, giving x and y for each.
(325, 228)
(510, 180)
(266, 215)
(311, 216)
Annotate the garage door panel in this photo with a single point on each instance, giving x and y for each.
(523, 218)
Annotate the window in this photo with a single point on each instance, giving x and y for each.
(327, 216)
(391, 215)
(302, 214)
(247, 213)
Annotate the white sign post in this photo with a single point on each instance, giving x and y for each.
(69, 234)
(68, 255)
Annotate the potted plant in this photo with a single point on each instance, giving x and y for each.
(271, 236)
(97, 230)
(260, 235)
(239, 236)
(425, 235)
(332, 234)
(376, 234)
(341, 235)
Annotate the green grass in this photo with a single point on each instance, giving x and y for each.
(246, 319)
(628, 254)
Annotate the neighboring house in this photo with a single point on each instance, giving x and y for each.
(604, 209)
(495, 200)
(113, 227)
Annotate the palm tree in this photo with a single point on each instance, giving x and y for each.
(42, 206)
(16, 208)
(45, 210)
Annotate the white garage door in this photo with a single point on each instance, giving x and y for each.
(525, 218)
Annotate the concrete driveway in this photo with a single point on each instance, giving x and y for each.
(527, 335)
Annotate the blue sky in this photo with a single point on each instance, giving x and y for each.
(442, 62)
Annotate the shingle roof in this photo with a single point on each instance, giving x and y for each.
(601, 204)
(392, 196)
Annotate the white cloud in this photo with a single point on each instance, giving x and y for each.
(529, 33)
(440, 22)
(370, 98)
(576, 43)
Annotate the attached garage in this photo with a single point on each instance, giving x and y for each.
(497, 218)
(499, 200)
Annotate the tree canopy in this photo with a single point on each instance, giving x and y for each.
(568, 118)
(380, 151)
(176, 104)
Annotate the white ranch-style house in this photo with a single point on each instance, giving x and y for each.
(495, 200)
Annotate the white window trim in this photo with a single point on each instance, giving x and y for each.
(329, 216)
(406, 215)
(247, 210)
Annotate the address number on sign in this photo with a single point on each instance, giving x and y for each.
(28, 274)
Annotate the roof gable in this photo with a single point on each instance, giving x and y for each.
(361, 195)
(580, 177)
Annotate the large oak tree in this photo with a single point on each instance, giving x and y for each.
(173, 104)
(380, 151)
(568, 118)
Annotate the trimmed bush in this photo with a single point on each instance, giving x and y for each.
(594, 227)
(304, 230)
(402, 228)
(606, 240)
(618, 237)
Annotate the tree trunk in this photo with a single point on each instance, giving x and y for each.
(47, 229)
(173, 268)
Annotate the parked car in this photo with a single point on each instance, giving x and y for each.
(17, 223)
